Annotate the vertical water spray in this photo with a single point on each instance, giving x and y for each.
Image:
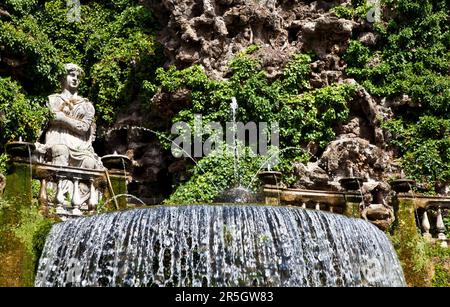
(234, 107)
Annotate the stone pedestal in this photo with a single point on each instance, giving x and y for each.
(16, 261)
(352, 201)
(116, 198)
(18, 184)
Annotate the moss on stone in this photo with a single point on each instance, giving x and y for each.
(410, 246)
(441, 261)
(23, 231)
(18, 184)
(352, 209)
(424, 263)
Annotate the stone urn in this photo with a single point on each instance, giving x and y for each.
(116, 162)
(379, 215)
(20, 149)
(402, 185)
(270, 177)
(236, 195)
(351, 183)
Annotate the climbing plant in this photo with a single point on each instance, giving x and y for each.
(409, 65)
(215, 173)
(113, 42)
(305, 115)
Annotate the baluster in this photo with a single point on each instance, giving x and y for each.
(331, 209)
(43, 199)
(426, 226)
(76, 198)
(85, 204)
(93, 197)
(318, 206)
(303, 205)
(60, 199)
(440, 226)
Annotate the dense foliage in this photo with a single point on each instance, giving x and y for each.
(410, 65)
(305, 115)
(113, 42)
(215, 173)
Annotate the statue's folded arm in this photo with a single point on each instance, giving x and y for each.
(75, 125)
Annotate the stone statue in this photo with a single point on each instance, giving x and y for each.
(71, 131)
(68, 141)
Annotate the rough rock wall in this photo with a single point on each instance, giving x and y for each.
(212, 32)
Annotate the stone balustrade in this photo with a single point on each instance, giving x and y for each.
(67, 191)
(337, 202)
(432, 223)
(428, 210)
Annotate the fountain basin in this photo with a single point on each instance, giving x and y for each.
(351, 183)
(402, 185)
(270, 177)
(236, 195)
(116, 162)
(218, 245)
(20, 149)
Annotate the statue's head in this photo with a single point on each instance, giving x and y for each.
(72, 76)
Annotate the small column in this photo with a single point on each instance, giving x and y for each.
(43, 199)
(93, 197)
(60, 199)
(440, 226)
(76, 198)
(317, 206)
(426, 226)
(331, 209)
(303, 205)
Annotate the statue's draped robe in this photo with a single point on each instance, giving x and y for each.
(75, 130)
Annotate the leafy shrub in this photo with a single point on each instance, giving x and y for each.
(20, 116)
(304, 115)
(215, 173)
(424, 147)
(412, 59)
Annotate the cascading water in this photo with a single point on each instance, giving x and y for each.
(212, 245)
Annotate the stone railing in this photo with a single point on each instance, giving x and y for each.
(426, 213)
(63, 190)
(432, 223)
(337, 202)
(77, 191)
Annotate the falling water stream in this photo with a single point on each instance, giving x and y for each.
(218, 245)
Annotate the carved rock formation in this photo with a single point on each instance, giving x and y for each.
(212, 32)
(354, 156)
(311, 176)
